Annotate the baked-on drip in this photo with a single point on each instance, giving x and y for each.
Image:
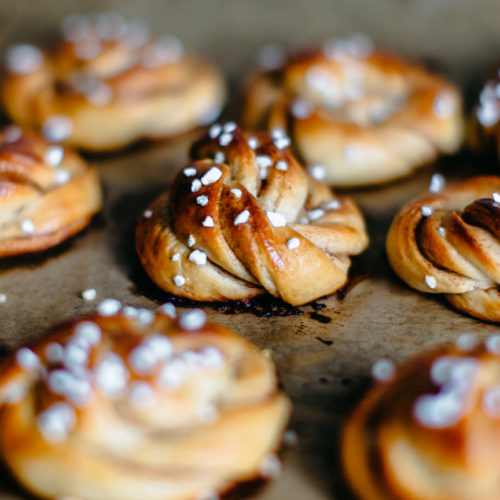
(429, 431)
(108, 83)
(244, 218)
(47, 192)
(364, 115)
(131, 404)
(449, 243)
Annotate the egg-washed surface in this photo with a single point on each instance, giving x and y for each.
(323, 356)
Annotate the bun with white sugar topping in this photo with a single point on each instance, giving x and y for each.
(244, 219)
(109, 83)
(365, 115)
(448, 242)
(133, 404)
(430, 430)
(47, 193)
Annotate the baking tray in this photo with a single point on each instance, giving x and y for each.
(324, 354)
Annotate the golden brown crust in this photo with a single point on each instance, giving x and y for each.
(431, 432)
(134, 404)
(366, 116)
(47, 193)
(250, 221)
(448, 243)
(112, 87)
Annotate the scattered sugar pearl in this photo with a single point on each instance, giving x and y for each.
(176, 257)
(27, 226)
(496, 197)
(145, 316)
(76, 27)
(54, 352)
(441, 369)
(278, 132)
(208, 222)
(214, 131)
(383, 370)
(202, 200)
(130, 312)
(437, 183)
(491, 401)
(263, 161)
(191, 241)
(88, 331)
(301, 109)
(270, 467)
(213, 175)
(142, 359)
(253, 142)
(109, 307)
(236, 192)
(493, 344)
(89, 295)
(442, 231)
(427, 211)
(87, 49)
(169, 309)
(293, 243)
(276, 219)
(225, 139)
(282, 142)
(290, 438)
(179, 280)
(142, 395)
(56, 422)
(445, 103)
(196, 185)
(54, 155)
(281, 165)
(430, 281)
(334, 204)
(23, 59)
(27, 359)
(317, 171)
(193, 320)
(61, 176)
(12, 134)
(438, 411)
(57, 128)
(219, 157)
(172, 375)
(189, 171)
(3, 298)
(315, 213)
(198, 257)
(111, 375)
(467, 341)
(488, 113)
(242, 218)
(147, 214)
(229, 127)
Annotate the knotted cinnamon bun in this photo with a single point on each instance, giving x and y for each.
(429, 430)
(47, 193)
(244, 218)
(449, 242)
(365, 115)
(132, 404)
(109, 83)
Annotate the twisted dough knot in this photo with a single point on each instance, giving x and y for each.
(431, 432)
(109, 83)
(364, 115)
(134, 404)
(256, 223)
(449, 243)
(47, 193)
